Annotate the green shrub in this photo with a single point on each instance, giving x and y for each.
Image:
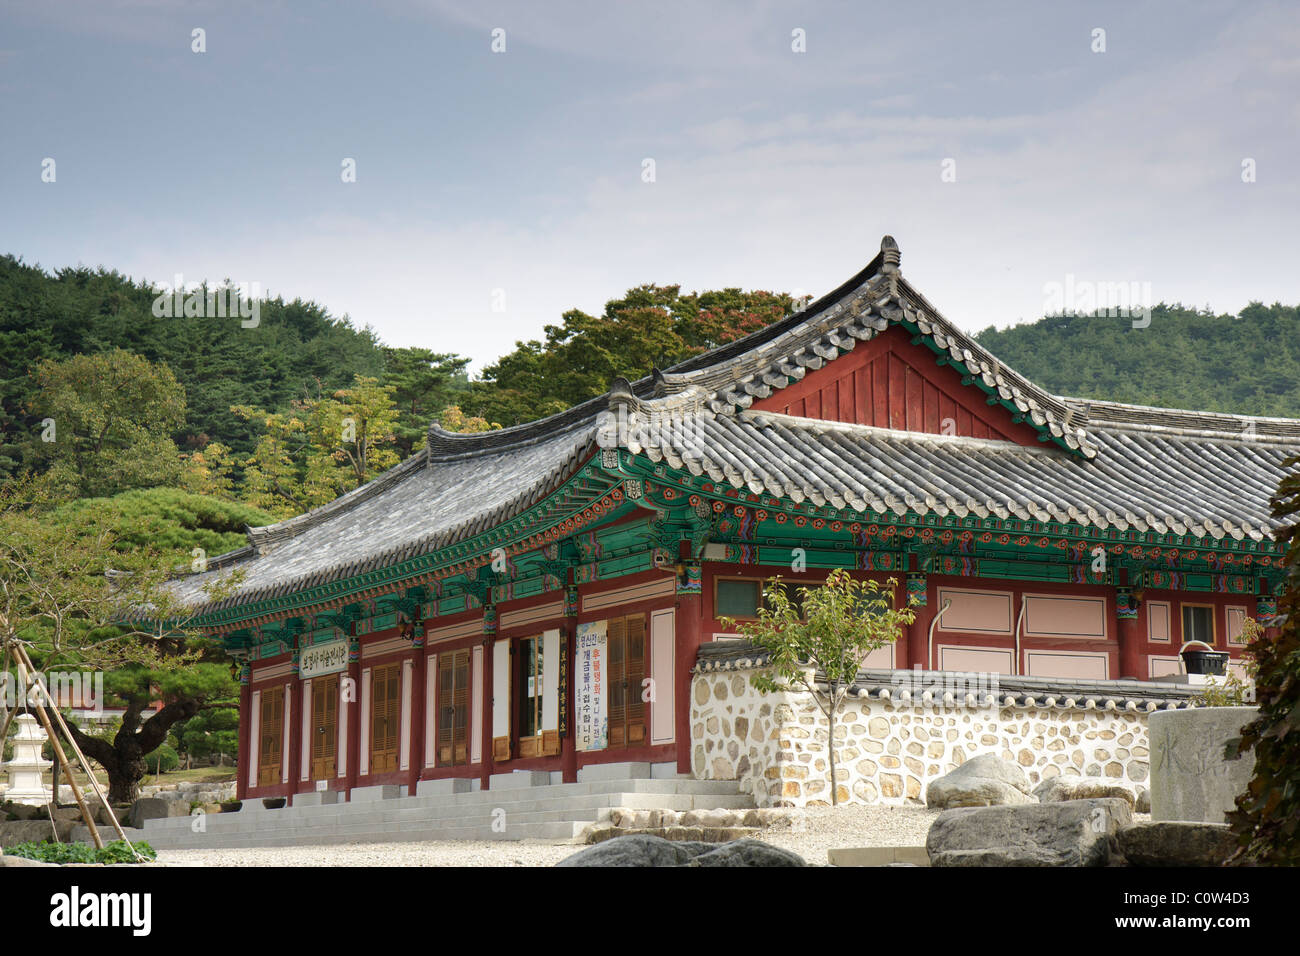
(162, 760)
(119, 852)
(116, 852)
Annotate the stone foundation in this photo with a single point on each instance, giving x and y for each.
(891, 746)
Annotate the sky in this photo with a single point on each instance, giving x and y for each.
(514, 160)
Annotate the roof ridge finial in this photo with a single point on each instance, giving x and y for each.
(620, 392)
(892, 256)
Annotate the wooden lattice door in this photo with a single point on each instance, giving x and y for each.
(453, 708)
(626, 663)
(325, 727)
(270, 752)
(385, 717)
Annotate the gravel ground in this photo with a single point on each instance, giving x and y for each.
(824, 829)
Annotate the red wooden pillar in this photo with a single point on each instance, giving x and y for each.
(244, 760)
(485, 774)
(918, 636)
(690, 634)
(419, 710)
(912, 646)
(353, 676)
(296, 743)
(569, 650)
(1132, 642)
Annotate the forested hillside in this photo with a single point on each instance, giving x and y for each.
(1248, 364)
(298, 350)
(304, 406)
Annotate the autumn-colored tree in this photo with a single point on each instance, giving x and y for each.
(651, 326)
(453, 419)
(354, 432)
(275, 474)
(709, 319)
(207, 471)
(324, 447)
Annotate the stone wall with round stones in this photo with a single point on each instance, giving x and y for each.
(774, 744)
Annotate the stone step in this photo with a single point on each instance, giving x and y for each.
(532, 810)
(584, 807)
(647, 786)
(550, 830)
(543, 799)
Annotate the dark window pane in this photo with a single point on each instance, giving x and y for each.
(737, 599)
(1198, 625)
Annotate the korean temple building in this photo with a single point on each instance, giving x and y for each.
(535, 598)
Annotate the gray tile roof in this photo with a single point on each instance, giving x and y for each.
(1144, 479)
(1106, 464)
(419, 506)
(1010, 691)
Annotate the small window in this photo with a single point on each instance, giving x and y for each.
(737, 598)
(530, 687)
(1236, 625)
(1198, 623)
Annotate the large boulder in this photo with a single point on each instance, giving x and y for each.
(1057, 789)
(33, 831)
(151, 808)
(14, 861)
(983, 781)
(747, 853)
(1068, 833)
(644, 850)
(105, 815)
(21, 811)
(1177, 843)
(1190, 777)
(72, 814)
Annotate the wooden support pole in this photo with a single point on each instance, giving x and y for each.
(61, 757)
(94, 784)
(10, 712)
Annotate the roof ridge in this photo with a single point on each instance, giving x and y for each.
(857, 311)
(826, 425)
(1096, 404)
(444, 445)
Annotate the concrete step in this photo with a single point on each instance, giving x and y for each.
(533, 810)
(649, 789)
(551, 830)
(585, 807)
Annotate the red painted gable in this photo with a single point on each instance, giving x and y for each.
(890, 383)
